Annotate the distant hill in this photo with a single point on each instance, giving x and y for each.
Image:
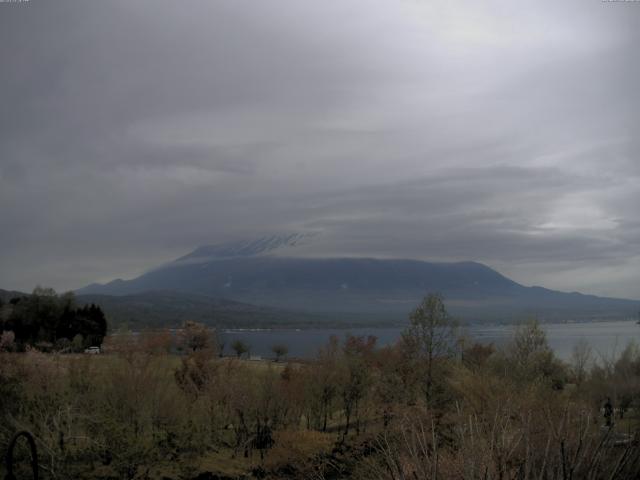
(6, 295)
(263, 272)
(155, 309)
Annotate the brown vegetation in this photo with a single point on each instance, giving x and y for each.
(429, 407)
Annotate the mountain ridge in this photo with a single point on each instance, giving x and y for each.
(250, 272)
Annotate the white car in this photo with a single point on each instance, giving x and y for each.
(92, 350)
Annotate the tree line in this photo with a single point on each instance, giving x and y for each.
(50, 322)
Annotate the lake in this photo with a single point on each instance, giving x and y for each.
(605, 338)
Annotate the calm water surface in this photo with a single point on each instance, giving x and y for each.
(606, 338)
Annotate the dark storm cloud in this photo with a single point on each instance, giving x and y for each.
(132, 132)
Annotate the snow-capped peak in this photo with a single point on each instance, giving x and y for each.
(270, 244)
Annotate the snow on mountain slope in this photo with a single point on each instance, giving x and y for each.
(267, 245)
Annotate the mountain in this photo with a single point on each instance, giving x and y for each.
(267, 272)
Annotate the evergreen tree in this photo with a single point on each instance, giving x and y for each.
(47, 317)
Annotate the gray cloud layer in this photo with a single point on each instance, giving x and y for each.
(133, 131)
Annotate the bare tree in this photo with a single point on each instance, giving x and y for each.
(197, 336)
(581, 358)
(239, 347)
(431, 334)
(355, 377)
(280, 351)
(528, 340)
(7, 341)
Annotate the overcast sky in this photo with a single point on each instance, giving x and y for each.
(497, 131)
